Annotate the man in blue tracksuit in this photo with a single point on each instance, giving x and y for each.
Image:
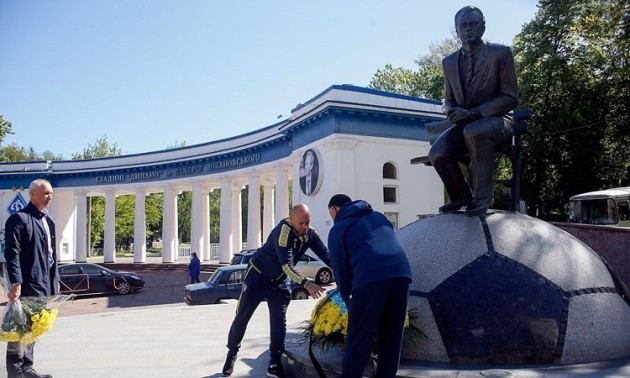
(373, 278)
(266, 277)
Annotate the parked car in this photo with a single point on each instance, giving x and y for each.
(609, 207)
(86, 278)
(226, 283)
(309, 265)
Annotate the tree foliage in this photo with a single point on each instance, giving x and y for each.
(100, 149)
(5, 128)
(15, 153)
(96, 205)
(426, 82)
(572, 63)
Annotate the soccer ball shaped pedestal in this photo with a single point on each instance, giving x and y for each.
(508, 289)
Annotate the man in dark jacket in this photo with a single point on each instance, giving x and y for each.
(480, 93)
(31, 261)
(373, 278)
(194, 268)
(266, 277)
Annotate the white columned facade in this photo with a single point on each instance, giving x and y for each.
(205, 220)
(346, 177)
(297, 191)
(169, 226)
(196, 218)
(81, 228)
(268, 211)
(140, 227)
(237, 219)
(225, 243)
(109, 239)
(253, 212)
(282, 194)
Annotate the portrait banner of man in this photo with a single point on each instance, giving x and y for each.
(310, 173)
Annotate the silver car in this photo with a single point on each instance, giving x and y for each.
(309, 265)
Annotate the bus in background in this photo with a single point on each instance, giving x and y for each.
(610, 207)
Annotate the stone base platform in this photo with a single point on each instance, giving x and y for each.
(300, 365)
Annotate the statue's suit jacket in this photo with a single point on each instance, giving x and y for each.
(493, 89)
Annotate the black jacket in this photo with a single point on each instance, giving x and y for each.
(276, 259)
(26, 253)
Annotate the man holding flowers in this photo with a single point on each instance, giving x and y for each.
(31, 262)
(373, 278)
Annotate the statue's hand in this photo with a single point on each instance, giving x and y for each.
(458, 115)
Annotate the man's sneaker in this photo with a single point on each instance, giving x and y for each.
(275, 371)
(228, 367)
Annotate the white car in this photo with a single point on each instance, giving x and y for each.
(309, 265)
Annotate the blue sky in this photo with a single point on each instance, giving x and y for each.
(150, 73)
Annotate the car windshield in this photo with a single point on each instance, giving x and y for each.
(215, 277)
(596, 211)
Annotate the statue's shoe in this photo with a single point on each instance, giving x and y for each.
(478, 207)
(453, 205)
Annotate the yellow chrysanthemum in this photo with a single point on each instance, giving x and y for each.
(11, 336)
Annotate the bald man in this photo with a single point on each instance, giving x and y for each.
(267, 277)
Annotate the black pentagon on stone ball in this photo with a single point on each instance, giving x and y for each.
(499, 281)
(497, 311)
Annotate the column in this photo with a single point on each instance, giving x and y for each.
(81, 227)
(140, 227)
(282, 194)
(196, 220)
(297, 191)
(346, 166)
(225, 224)
(205, 220)
(253, 213)
(268, 210)
(169, 226)
(237, 219)
(109, 239)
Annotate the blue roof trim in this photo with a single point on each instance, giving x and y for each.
(275, 125)
(353, 88)
(263, 145)
(385, 112)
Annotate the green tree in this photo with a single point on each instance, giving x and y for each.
(572, 63)
(154, 204)
(184, 217)
(5, 128)
(124, 220)
(215, 212)
(102, 148)
(13, 153)
(426, 82)
(96, 205)
(397, 80)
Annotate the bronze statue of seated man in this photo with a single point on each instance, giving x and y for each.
(480, 94)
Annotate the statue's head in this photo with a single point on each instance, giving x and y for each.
(470, 24)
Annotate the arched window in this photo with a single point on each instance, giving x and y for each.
(390, 171)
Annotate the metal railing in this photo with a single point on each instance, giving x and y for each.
(183, 251)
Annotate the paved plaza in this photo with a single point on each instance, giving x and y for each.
(154, 334)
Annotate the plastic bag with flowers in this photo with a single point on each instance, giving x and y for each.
(328, 325)
(28, 318)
